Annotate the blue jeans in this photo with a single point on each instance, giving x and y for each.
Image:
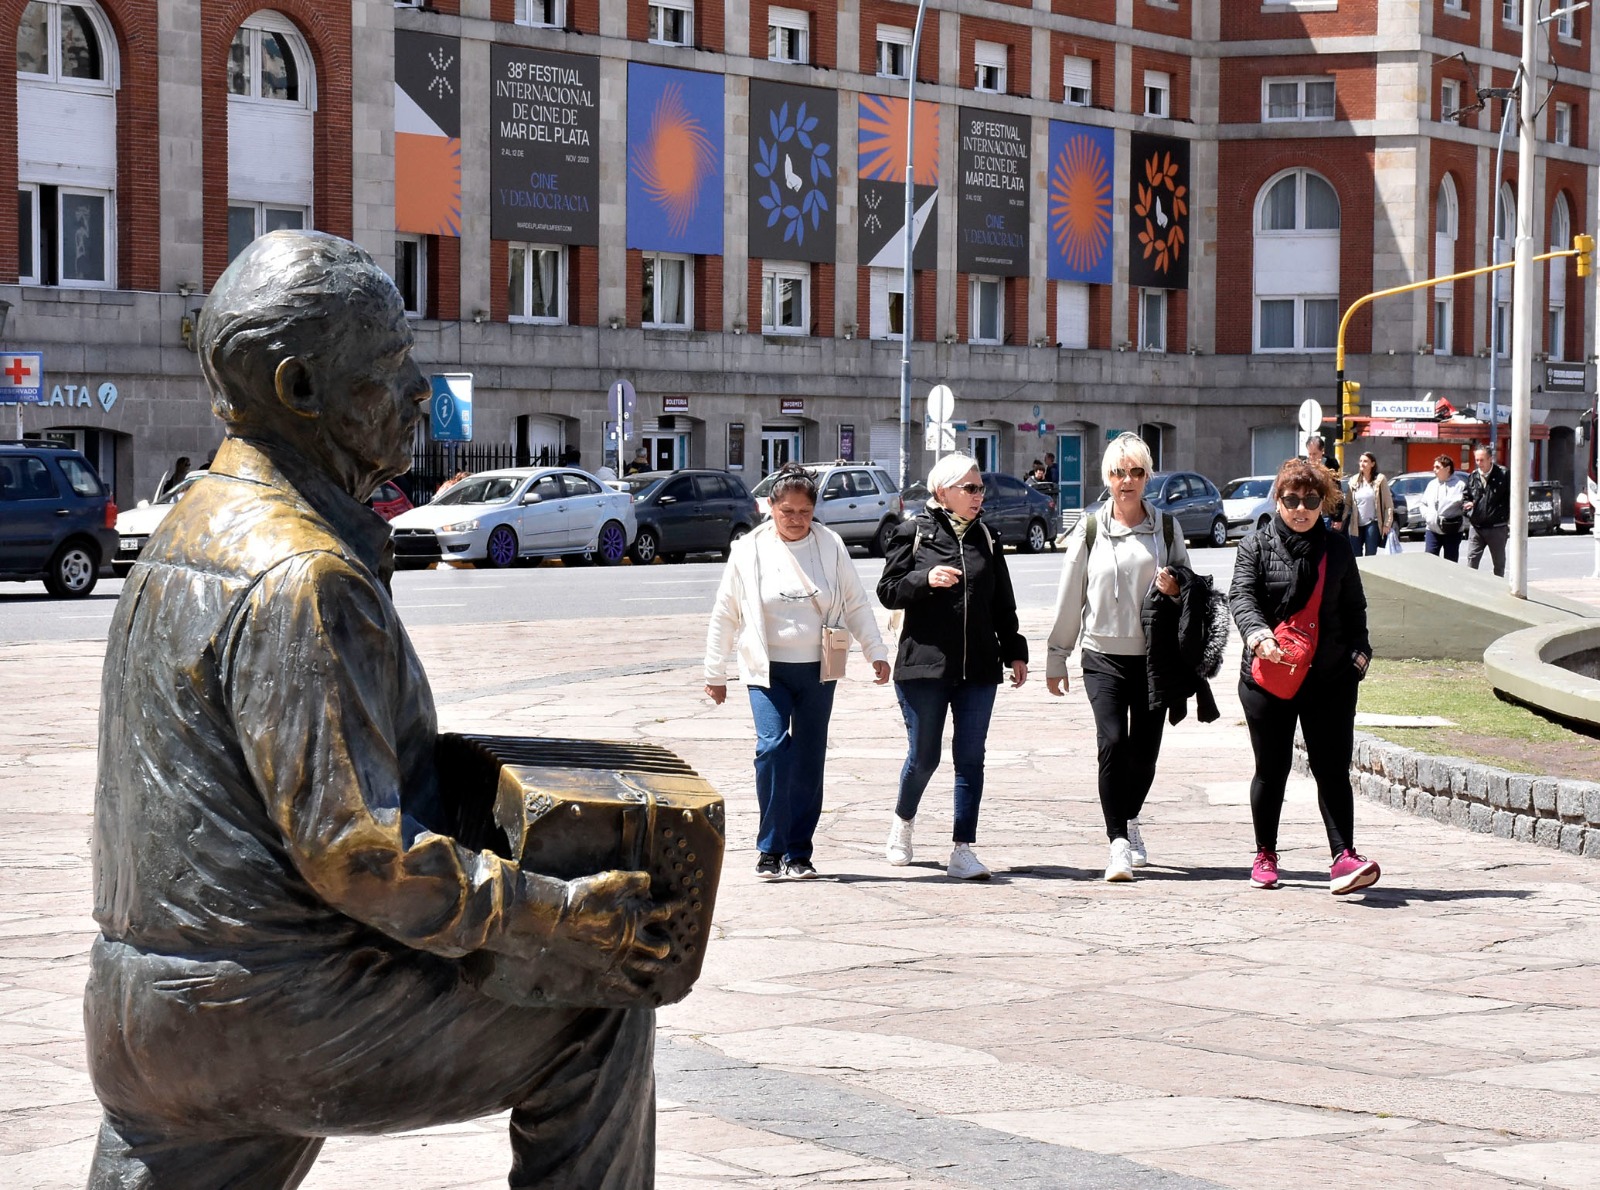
(924, 702)
(1368, 540)
(791, 747)
(1449, 544)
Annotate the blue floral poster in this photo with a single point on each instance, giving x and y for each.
(794, 134)
(674, 160)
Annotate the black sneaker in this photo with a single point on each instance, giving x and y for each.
(800, 869)
(769, 867)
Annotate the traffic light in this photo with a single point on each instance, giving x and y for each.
(1350, 407)
(1583, 245)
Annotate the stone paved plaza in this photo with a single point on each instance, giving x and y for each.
(892, 1027)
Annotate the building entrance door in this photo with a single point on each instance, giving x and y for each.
(668, 452)
(1069, 469)
(779, 445)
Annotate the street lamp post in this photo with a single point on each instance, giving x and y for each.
(907, 297)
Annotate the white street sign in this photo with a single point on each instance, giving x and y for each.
(1310, 417)
(941, 403)
(939, 436)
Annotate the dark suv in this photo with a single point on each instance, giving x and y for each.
(57, 521)
(688, 512)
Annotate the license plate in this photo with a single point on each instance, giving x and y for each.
(132, 543)
(1538, 506)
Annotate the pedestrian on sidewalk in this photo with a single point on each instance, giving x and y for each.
(1442, 512)
(1299, 606)
(1115, 556)
(959, 635)
(786, 583)
(1487, 504)
(1372, 507)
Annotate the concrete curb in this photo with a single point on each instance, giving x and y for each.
(1555, 812)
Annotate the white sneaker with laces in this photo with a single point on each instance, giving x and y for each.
(1136, 851)
(898, 851)
(1119, 867)
(964, 865)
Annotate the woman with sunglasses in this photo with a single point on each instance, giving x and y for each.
(784, 580)
(1443, 510)
(1275, 576)
(1114, 557)
(959, 636)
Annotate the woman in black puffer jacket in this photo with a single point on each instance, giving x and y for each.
(959, 636)
(1274, 577)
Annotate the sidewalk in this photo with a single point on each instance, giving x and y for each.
(892, 1027)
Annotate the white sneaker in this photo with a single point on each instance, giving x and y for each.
(898, 851)
(964, 865)
(1136, 851)
(1120, 866)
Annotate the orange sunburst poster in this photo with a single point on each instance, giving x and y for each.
(1079, 205)
(674, 160)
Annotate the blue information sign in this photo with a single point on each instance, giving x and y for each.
(452, 407)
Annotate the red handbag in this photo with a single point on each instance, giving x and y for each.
(1297, 638)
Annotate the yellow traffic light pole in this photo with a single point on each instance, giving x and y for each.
(1348, 392)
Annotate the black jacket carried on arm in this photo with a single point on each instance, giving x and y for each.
(1490, 496)
(967, 632)
(1274, 575)
(1184, 641)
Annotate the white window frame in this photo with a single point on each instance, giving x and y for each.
(1561, 124)
(1453, 6)
(418, 278)
(1564, 28)
(990, 62)
(1511, 13)
(110, 51)
(1557, 331)
(270, 22)
(975, 311)
(900, 39)
(1444, 323)
(1302, 103)
(884, 285)
(542, 14)
(793, 25)
(775, 274)
(1299, 300)
(653, 260)
(108, 233)
(529, 252)
(659, 10)
(1153, 337)
(1157, 93)
(260, 207)
(1449, 98)
(1072, 297)
(36, 233)
(1077, 75)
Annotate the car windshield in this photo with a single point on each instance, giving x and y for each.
(482, 489)
(170, 496)
(1248, 489)
(643, 489)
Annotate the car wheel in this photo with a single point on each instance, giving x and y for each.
(502, 551)
(1033, 541)
(73, 571)
(646, 547)
(1219, 532)
(879, 545)
(612, 546)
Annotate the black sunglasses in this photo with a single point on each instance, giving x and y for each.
(1293, 500)
(971, 489)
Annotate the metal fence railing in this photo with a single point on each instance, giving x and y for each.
(436, 462)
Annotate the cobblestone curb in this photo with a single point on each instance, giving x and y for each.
(1550, 811)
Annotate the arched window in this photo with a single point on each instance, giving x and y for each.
(271, 134)
(1506, 213)
(1560, 237)
(1446, 223)
(1296, 263)
(67, 66)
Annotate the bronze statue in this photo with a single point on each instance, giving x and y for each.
(282, 928)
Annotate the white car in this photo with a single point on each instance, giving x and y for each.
(1247, 503)
(495, 517)
(135, 525)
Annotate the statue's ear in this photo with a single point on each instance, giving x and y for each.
(296, 387)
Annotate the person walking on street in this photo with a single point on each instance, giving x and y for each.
(1442, 512)
(1372, 507)
(1333, 510)
(784, 583)
(1296, 571)
(1113, 558)
(1052, 473)
(1487, 504)
(959, 636)
(639, 463)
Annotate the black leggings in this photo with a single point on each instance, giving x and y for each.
(1326, 710)
(1128, 732)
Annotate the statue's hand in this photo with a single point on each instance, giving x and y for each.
(613, 913)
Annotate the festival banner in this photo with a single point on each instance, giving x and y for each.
(675, 139)
(881, 189)
(1158, 213)
(992, 209)
(1079, 196)
(794, 135)
(544, 171)
(427, 133)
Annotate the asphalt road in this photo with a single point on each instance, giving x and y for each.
(554, 592)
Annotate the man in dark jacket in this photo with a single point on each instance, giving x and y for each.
(1488, 509)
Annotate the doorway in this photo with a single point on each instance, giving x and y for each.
(984, 445)
(668, 452)
(1069, 470)
(779, 445)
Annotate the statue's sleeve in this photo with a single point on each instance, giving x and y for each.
(313, 668)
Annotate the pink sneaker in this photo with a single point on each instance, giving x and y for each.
(1264, 872)
(1351, 873)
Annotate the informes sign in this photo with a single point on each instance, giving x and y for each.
(22, 377)
(452, 407)
(675, 141)
(792, 406)
(544, 172)
(1158, 213)
(992, 207)
(427, 133)
(881, 189)
(1079, 214)
(1566, 378)
(794, 136)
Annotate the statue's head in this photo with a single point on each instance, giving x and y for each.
(304, 343)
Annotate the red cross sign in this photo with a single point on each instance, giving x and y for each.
(22, 377)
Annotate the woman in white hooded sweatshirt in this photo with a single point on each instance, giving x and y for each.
(1113, 558)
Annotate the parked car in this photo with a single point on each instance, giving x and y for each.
(57, 520)
(1544, 507)
(389, 501)
(688, 512)
(1582, 512)
(1019, 514)
(1407, 512)
(858, 501)
(135, 525)
(495, 517)
(1190, 497)
(1248, 503)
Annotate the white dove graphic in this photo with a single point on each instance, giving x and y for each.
(1161, 216)
(789, 176)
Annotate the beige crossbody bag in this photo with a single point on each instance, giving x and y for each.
(835, 637)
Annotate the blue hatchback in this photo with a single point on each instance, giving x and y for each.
(57, 521)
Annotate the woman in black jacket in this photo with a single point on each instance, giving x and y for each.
(1274, 577)
(960, 633)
